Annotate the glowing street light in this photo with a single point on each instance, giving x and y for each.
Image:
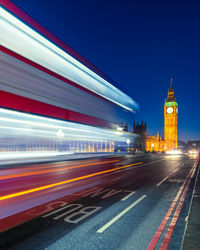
(60, 134)
(119, 128)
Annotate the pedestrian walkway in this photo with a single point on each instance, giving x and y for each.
(192, 234)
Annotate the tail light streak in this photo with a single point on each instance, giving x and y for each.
(28, 191)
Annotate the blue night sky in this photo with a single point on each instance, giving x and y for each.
(140, 45)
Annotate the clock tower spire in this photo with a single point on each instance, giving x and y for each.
(171, 88)
(171, 97)
(170, 120)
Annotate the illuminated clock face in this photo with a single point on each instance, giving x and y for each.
(170, 110)
(177, 110)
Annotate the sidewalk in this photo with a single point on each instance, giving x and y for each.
(192, 233)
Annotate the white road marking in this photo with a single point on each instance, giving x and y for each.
(147, 163)
(162, 181)
(102, 229)
(166, 178)
(56, 211)
(126, 197)
(183, 163)
(175, 170)
(142, 164)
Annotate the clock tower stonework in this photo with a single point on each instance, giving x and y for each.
(170, 121)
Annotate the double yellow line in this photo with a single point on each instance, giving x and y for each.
(28, 191)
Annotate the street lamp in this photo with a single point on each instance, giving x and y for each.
(60, 136)
(128, 142)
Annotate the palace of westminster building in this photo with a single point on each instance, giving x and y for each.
(156, 143)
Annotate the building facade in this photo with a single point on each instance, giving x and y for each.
(146, 142)
(156, 143)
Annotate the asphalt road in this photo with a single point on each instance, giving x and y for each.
(127, 202)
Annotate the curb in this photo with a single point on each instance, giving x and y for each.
(191, 238)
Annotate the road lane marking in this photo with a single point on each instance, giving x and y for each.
(162, 181)
(129, 195)
(166, 178)
(183, 163)
(102, 229)
(147, 163)
(56, 211)
(32, 190)
(160, 229)
(168, 235)
(175, 170)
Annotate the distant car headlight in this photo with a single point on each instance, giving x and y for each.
(192, 152)
(174, 152)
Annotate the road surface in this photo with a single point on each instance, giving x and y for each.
(121, 202)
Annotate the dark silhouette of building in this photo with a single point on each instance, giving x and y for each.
(193, 145)
(141, 131)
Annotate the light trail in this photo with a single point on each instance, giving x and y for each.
(53, 170)
(28, 191)
(59, 61)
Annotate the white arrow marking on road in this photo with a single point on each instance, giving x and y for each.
(102, 229)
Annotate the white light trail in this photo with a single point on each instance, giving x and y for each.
(36, 48)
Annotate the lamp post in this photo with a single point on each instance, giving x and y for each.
(60, 136)
(128, 142)
(152, 145)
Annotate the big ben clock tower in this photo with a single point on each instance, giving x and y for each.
(171, 120)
